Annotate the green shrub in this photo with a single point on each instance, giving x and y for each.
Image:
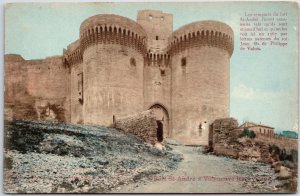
(247, 133)
(273, 148)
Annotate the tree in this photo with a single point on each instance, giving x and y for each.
(247, 133)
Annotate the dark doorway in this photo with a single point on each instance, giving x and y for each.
(161, 114)
(210, 136)
(160, 131)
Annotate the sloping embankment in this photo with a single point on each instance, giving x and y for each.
(45, 157)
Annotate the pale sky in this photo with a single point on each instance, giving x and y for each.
(263, 84)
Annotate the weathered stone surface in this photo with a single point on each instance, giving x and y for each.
(225, 140)
(141, 124)
(226, 151)
(31, 85)
(223, 131)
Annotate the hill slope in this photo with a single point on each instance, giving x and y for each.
(45, 157)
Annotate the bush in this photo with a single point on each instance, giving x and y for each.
(273, 148)
(248, 133)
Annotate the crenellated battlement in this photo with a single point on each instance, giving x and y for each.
(112, 29)
(157, 59)
(74, 57)
(204, 33)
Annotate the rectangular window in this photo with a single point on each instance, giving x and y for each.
(80, 81)
(80, 87)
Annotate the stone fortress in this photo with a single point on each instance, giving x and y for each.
(120, 67)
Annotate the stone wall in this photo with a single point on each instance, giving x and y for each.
(225, 141)
(200, 92)
(76, 88)
(157, 86)
(223, 131)
(113, 84)
(200, 54)
(32, 86)
(223, 136)
(158, 26)
(281, 142)
(14, 72)
(113, 50)
(141, 124)
(48, 81)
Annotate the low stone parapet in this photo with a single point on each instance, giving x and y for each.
(141, 124)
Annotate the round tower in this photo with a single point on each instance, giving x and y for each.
(113, 49)
(200, 55)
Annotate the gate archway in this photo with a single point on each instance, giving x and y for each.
(162, 119)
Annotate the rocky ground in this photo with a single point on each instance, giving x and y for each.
(44, 157)
(205, 173)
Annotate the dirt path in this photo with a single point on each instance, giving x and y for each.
(201, 173)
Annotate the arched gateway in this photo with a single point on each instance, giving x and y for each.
(162, 119)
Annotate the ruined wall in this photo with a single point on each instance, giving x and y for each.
(200, 55)
(113, 60)
(224, 137)
(281, 142)
(17, 100)
(35, 86)
(48, 81)
(14, 75)
(223, 132)
(141, 124)
(226, 141)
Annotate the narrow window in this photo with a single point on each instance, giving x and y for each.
(183, 62)
(132, 62)
(80, 87)
(156, 37)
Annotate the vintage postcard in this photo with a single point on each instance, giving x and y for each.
(161, 97)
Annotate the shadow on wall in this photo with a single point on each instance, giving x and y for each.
(51, 112)
(160, 131)
(34, 111)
